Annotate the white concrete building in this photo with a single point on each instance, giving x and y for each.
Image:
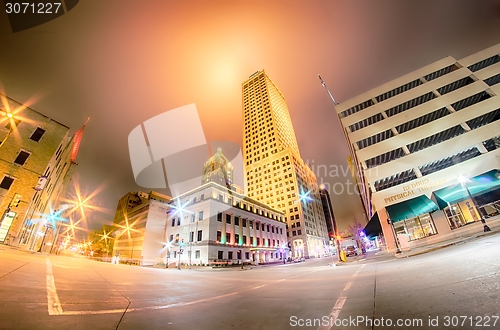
(140, 228)
(413, 138)
(215, 225)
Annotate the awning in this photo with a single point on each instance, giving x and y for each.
(477, 185)
(411, 208)
(373, 228)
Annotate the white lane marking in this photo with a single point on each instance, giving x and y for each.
(339, 304)
(53, 303)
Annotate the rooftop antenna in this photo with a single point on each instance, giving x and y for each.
(327, 90)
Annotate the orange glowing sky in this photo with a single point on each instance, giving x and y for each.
(122, 62)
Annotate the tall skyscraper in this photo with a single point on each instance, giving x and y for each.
(275, 174)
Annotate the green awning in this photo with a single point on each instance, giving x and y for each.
(411, 208)
(478, 185)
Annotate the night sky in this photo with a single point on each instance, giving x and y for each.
(122, 62)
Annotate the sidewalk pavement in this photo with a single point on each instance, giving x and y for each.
(414, 251)
(443, 244)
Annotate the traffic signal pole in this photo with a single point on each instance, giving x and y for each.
(14, 202)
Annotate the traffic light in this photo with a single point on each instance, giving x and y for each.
(16, 201)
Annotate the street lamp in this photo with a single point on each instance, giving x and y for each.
(181, 250)
(47, 226)
(12, 123)
(463, 182)
(168, 252)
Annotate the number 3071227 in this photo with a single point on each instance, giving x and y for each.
(32, 8)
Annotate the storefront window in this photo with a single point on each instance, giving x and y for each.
(416, 228)
(455, 216)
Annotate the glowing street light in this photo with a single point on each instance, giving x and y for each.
(305, 196)
(463, 182)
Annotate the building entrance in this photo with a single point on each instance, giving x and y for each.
(418, 227)
(455, 216)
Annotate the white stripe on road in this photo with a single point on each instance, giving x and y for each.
(53, 303)
(339, 304)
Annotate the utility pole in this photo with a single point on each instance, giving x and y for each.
(364, 195)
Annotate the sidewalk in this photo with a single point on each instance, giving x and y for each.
(443, 244)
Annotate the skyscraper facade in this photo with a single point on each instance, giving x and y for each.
(275, 173)
(429, 141)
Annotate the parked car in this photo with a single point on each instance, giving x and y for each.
(351, 251)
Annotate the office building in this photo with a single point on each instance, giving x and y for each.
(426, 146)
(275, 173)
(218, 169)
(139, 234)
(48, 210)
(33, 171)
(215, 225)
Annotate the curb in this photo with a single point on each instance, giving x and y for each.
(461, 241)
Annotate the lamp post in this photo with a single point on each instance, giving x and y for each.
(181, 250)
(47, 226)
(12, 123)
(168, 252)
(463, 182)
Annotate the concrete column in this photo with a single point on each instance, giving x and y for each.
(388, 230)
(240, 230)
(223, 234)
(233, 239)
(261, 237)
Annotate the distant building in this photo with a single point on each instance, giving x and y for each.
(416, 140)
(218, 169)
(326, 202)
(128, 202)
(32, 173)
(140, 228)
(275, 173)
(213, 224)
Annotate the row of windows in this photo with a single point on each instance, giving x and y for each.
(242, 240)
(199, 237)
(437, 137)
(431, 76)
(193, 216)
(436, 165)
(232, 202)
(258, 225)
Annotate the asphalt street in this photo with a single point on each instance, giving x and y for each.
(452, 288)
